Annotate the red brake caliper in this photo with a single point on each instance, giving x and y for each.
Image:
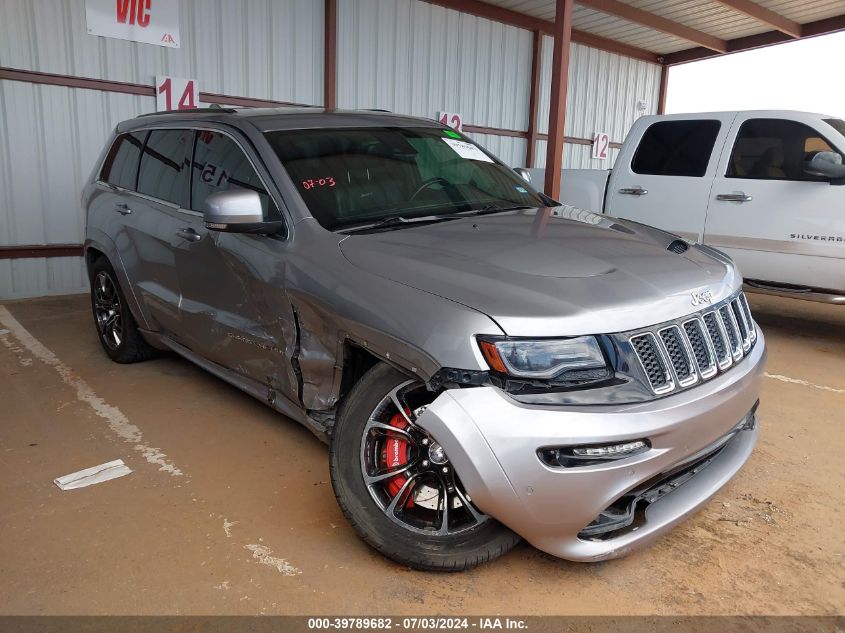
(395, 454)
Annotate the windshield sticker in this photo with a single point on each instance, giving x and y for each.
(451, 134)
(328, 181)
(467, 150)
(520, 189)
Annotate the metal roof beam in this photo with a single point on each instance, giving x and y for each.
(764, 15)
(530, 23)
(809, 29)
(656, 22)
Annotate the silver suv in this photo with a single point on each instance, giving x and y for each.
(484, 363)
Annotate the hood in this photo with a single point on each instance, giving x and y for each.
(548, 272)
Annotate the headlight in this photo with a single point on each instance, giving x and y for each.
(542, 358)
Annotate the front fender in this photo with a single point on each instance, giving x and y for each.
(334, 303)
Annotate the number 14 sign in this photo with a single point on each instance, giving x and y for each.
(174, 93)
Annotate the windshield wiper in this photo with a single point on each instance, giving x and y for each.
(495, 208)
(396, 222)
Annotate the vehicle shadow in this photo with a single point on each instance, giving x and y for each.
(795, 318)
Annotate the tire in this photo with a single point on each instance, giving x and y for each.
(356, 445)
(116, 327)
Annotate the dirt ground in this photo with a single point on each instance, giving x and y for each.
(228, 509)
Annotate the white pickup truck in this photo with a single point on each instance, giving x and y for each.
(762, 186)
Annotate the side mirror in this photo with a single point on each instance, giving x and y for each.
(825, 164)
(523, 173)
(237, 211)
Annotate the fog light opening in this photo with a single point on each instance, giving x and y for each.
(586, 455)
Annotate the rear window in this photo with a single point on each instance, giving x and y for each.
(165, 166)
(121, 165)
(676, 148)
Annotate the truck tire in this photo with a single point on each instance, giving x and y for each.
(396, 486)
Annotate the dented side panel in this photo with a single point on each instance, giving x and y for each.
(279, 312)
(335, 302)
(234, 307)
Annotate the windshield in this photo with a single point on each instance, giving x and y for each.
(349, 176)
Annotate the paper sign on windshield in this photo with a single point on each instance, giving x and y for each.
(467, 150)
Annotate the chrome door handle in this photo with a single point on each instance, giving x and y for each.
(734, 197)
(189, 234)
(122, 209)
(633, 191)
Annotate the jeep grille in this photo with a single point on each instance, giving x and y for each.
(680, 354)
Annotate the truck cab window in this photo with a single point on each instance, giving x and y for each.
(774, 149)
(676, 148)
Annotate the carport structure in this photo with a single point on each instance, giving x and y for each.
(506, 65)
(667, 32)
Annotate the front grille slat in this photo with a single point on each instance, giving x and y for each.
(679, 354)
(728, 322)
(739, 317)
(718, 339)
(679, 357)
(704, 354)
(653, 363)
(746, 311)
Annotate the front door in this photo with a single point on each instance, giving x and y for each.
(777, 222)
(235, 311)
(665, 180)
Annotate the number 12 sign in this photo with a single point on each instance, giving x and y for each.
(601, 143)
(452, 119)
(174, 93)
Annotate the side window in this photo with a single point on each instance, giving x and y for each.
(774, 149)
(219, 165)
(676, 148)
(121, 165)
(164, 172)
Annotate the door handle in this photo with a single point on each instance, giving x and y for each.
(189, 234)
(734, 197)
(122, 209)
(634, 191)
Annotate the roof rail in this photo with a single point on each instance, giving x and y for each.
(211, 110)
(377, 110)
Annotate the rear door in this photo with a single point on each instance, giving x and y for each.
(145, 180)
(665, 179)
(162, 190)
(777, 222)
(111, 210)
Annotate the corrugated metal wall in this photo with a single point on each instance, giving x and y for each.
(603, 92)
(51, 135)
(418, 58)
(267, 49)
(50, 138)
(406, 56)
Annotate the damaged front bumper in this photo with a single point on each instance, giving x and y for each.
(696, 441)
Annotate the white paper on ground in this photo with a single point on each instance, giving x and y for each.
(93, 475)
(467, 150)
